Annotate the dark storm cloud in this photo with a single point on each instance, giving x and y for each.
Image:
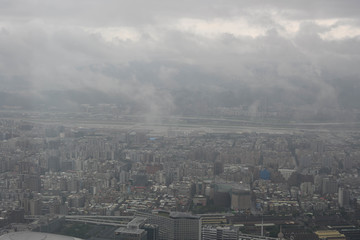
(298, 53)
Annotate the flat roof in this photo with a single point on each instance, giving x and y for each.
(129, 230)
(239, 225)
(136, 222)
(35, 236)
(264, 224)
(183, 215)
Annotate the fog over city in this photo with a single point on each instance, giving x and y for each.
(183, 57)
(180, 120)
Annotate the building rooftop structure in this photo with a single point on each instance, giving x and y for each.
(136, 223)
(183, 215)
(330, 234)
(128, 230)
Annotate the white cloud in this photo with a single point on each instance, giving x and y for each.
(112, 34)
(217, 26)
(341, 32)
(120, 47)
(328, 22)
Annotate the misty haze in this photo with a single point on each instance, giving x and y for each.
(182, 119)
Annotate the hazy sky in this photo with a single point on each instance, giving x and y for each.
(143, 49)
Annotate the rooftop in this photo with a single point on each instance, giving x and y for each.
(35, 236)
(129, 230)
(183, 215)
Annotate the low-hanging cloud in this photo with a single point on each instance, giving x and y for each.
(298, 56)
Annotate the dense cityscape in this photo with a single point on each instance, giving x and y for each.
(173, 182)
(179, 120)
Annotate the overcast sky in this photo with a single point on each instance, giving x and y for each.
(139, 49)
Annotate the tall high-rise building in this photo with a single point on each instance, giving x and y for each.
(240, 199)
(54, 163)
(72, 185)
(307, 189)
(343, 197)
(32, 182)
(329, 186)
(35, 206)
(218, 168)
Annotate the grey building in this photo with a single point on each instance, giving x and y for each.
(130, 234)
(186, 226)
(132, 231)
(175, 225)
(219, 233)
(166, 227)
(343, 197)
(152, 231)
(240, 199)
(329, 186)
